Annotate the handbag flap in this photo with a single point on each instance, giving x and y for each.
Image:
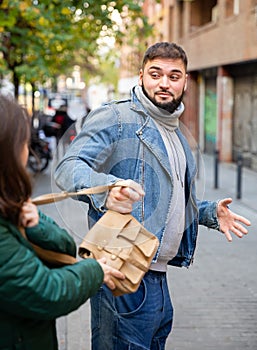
(132, 273)
(149, 244)
(142, 238)
(108, 229)
(115, 220)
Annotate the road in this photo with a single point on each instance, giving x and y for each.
(215, 300)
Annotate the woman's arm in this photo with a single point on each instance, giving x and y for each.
(28, 287)
(48, 235)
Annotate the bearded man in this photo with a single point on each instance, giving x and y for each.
(138, 144)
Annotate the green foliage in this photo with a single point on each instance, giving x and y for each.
(43, 38)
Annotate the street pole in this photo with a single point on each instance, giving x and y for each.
(216, 169)
(239, 175)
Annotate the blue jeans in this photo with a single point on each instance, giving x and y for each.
(137, 321)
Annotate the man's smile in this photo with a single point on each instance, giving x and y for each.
(164, 94)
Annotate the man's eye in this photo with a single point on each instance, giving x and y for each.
(155, 75)
(174, 77)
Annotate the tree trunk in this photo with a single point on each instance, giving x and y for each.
(16, 83)
(33, 96)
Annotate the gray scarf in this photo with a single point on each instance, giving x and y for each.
(161, 116)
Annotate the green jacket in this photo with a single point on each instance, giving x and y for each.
(32, 295)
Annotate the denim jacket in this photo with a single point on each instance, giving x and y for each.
(121, 141)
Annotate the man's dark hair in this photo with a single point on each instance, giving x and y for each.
(165, 50)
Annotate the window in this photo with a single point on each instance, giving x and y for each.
(203, 12)
(232, 7)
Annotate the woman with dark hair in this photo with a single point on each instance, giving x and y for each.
(33, 295)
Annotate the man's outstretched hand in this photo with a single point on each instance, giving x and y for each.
(230, 221)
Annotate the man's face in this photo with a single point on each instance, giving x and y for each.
(164, 81)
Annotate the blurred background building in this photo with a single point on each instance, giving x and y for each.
(220, 38)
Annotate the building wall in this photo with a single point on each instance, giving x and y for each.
(220, 38)
(224, 40)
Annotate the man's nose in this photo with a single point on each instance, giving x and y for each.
(164, 82)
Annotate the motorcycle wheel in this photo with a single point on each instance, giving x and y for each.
(37, 165)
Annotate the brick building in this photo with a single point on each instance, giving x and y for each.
(220, 38)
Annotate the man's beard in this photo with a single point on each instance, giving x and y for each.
(167, 106)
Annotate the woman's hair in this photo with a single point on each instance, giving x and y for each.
(165, 50)
(15, 184)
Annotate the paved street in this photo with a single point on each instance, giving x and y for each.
(215, 300)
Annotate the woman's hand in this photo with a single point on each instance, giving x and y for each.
(29, 214)
(122, 198)
(110, 272)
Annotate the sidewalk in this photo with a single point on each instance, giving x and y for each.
(227, 182)
(215, 300)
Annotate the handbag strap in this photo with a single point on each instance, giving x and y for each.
(50, 256)
(56, 197)
(54, 258)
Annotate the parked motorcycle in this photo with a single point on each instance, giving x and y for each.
(40, 152)
(59, 123)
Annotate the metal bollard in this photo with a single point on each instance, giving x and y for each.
(239, 175)
(216, 169)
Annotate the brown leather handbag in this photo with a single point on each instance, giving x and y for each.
(120, 238)
(126, 245)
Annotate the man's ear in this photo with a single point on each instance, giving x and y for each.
(140, 79)
(185, 87)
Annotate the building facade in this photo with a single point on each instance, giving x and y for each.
(220, 38)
